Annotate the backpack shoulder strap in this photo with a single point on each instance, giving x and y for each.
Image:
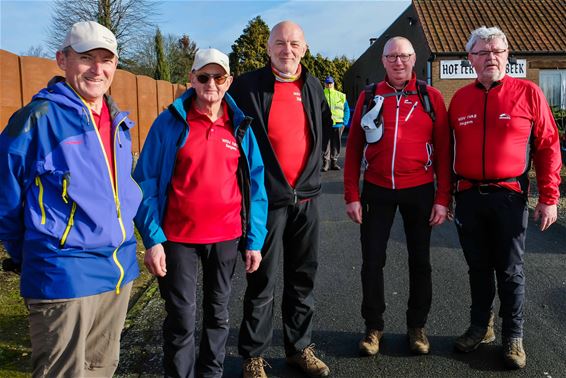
(369, 91)
(422, 91)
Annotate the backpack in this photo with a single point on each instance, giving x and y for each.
(421, 91)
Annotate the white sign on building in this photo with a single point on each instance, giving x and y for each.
(453, 69)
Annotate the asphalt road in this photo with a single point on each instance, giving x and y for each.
(338, 324)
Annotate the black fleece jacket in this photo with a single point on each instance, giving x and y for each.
(253, 92)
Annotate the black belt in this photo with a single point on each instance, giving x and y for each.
(489, 188)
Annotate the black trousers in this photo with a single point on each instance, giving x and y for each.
(292, 235)
(178, 289)
(379, 206)
(332, 149)
(492, 229)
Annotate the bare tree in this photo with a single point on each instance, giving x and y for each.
(130, 20)
(36, 51)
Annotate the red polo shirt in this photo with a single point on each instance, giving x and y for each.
(104, 126)
(204, 201)
(288, 129)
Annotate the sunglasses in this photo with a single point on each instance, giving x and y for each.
(218, 79)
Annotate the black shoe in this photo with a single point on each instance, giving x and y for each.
(335, 167)
(325, 167)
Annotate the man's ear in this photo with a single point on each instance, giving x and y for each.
(61, 59)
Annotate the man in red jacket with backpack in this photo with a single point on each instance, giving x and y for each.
(403, 138)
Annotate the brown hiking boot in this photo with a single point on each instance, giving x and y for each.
(253, 368)
(369, 345)
(309, 363)
(476, 335)
(418, 342)
(513, 353)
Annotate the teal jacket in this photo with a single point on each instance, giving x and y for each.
(156, 166)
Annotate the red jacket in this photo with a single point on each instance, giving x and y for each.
(403, 158)
(491, 130)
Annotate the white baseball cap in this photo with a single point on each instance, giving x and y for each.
(372, 121)
(89, 35)
(209, 56)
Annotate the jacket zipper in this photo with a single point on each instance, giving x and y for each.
(114, 187)
(70, 223)
(398, 99)
(484, 132)
(40, 198)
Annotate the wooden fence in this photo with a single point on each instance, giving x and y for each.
(21, 77)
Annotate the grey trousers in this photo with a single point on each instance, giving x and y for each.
(78, 337)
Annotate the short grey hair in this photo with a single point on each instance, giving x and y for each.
(485, 34)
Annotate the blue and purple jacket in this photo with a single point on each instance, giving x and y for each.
(61, 217)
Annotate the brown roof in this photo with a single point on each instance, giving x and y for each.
(531, 26)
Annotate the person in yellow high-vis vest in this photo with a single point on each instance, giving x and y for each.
(340, 117)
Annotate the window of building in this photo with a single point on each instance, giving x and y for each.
(553, 84)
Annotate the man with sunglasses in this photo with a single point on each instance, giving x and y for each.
(202, 177)
(498, 124)
(290, 113)
(405, 150)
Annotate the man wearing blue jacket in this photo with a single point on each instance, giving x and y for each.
(204, 198)
(66, 209)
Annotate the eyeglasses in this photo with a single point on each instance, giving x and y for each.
(218, 79)
(484, 53)
(393, 58)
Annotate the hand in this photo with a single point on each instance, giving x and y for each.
(154, 260)
(438, 215)
(547, 215)
(354, 211)
(253, 258)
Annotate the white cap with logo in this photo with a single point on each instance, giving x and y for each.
(89, 35)
(210, 56)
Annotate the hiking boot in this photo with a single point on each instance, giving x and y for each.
(473, 337)
(369, 345)
(335, 167)
(325, 166)
(253, 368)
(490, 334)
(418, 342)
(309, 363)
(513, 353)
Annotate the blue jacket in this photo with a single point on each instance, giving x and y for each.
(60, 216)
(156, 165)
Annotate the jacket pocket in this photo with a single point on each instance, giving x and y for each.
(39, 184)
(70, 223)
(429, 153)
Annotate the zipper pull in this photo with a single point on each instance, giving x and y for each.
(65, 184)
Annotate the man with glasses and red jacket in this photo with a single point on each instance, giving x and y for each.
(499, 123)
(405, 148)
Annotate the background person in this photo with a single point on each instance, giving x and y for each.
(66, 209)
(289, 115)
(202, 178)
(400, 173)
(340, 117)
(498, 123)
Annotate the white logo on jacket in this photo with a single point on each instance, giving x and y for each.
(504, 116)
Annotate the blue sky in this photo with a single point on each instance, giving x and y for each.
(332, 28)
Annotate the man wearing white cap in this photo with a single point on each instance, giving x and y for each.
(204, 199)
(404, 139)
(66, 210)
